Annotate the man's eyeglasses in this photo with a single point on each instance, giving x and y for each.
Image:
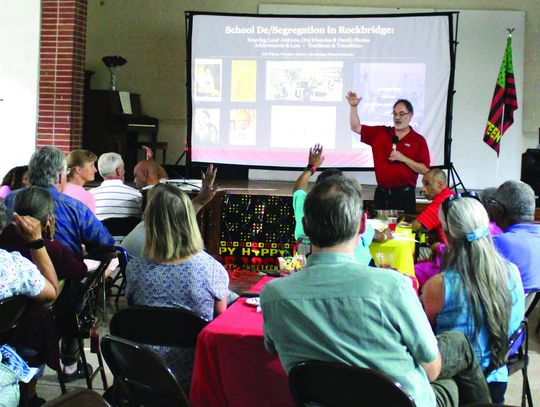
(400, 114)
(446, 203)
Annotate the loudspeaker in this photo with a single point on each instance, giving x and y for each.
(530, 171)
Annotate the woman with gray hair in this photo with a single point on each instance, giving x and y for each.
(174, 270)
(478, 292)
(37, 202)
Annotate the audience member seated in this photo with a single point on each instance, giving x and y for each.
(80, 170)
(477, 292)
(338, 310)
(148, 173)
(75, 224)
(435, 189)
(513, 209)
(37, 202)
(316, 158)
(134, 242)
(114, 199)
(174, 270)
(16, 178)
(487, 197)
(19, 276)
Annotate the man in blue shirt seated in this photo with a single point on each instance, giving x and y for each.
(338, 310)
(315, 160)
(75, 224)
(513, 209)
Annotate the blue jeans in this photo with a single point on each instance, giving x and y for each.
(461, 380)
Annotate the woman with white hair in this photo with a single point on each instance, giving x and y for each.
(478, 292)
(175, 271)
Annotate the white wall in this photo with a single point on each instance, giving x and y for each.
(19, 78)
(151, 35)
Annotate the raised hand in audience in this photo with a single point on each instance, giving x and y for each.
(208, 190)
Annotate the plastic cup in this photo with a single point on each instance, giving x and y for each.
(392, 222)
(384, 260)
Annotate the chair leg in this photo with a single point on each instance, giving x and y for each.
(526, 396)
(121, 286)
(84, 364)
(102, 369)
(104, 286)
(61, 381)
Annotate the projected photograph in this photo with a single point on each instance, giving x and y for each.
(303, 126)
(207, 126)
(304, 81)
(243, 81)
(208, 79)
(242, 127)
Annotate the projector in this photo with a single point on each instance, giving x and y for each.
(185, 184)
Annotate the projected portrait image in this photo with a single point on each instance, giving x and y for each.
(304, 80)
(242, 128)
(206, 126)
(243, 81)
(208, 79)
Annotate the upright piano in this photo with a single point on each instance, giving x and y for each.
(110, 126)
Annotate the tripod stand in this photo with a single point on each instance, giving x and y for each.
(454, 179)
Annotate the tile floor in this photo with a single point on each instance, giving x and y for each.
(49, 389)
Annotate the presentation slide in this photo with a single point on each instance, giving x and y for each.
(263, 89)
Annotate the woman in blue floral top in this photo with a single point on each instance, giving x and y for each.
(174, 270)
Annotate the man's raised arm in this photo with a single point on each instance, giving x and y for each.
(354, 100)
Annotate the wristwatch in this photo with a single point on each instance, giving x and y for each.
(36, 244)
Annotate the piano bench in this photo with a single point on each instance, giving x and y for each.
(156, 145)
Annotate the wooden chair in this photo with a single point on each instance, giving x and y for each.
(338, 385)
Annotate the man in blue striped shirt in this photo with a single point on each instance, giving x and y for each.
(75, 224)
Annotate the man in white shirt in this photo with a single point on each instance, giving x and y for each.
(114, 199)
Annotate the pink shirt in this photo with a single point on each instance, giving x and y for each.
(80, 194)
(4, 191)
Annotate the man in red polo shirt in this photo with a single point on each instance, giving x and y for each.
(434, 188)
(399, 155)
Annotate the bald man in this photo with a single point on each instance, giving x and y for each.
(434, 188)
(148, 173)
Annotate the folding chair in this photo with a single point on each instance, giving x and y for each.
(120, 227)
(119, 281)
(71, 324)
(140, 375)
(517, 358)
(153, 326)
(338, 385)
(11, 311)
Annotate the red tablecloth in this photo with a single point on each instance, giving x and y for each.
(232, 367)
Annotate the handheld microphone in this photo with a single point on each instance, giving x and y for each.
(395, 140)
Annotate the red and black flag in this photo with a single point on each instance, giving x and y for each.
(501, 114)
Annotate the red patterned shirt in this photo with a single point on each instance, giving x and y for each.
(429, 217)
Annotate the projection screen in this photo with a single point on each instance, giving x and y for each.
(263, 89)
